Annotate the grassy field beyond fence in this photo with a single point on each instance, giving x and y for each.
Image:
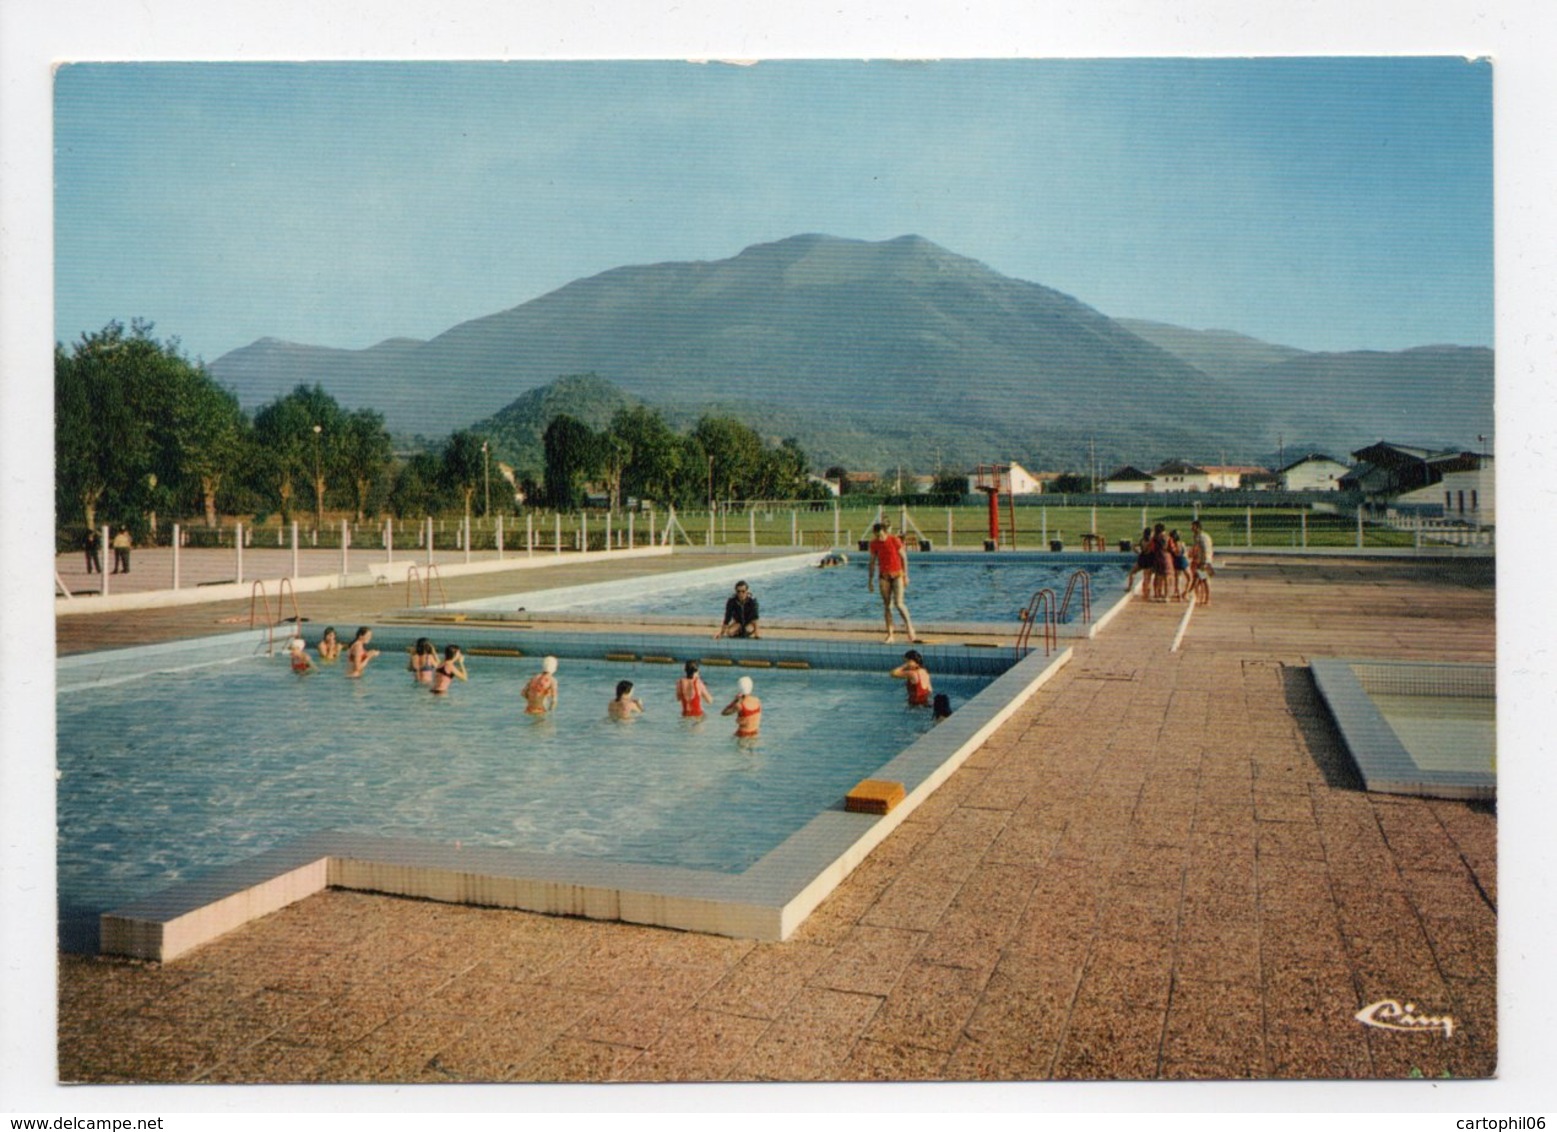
(810, 526)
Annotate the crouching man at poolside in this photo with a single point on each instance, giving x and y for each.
(740, 614)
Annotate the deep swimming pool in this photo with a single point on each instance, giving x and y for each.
(171, 765)
(943, 588)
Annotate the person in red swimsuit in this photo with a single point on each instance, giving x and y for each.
(746, 708)
(299, 654)
(917, 677)
(888, 559)
(692, 693)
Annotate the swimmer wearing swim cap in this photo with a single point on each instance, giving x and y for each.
(540, 694)
(746, 708)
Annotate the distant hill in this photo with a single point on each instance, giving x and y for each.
(516, 430)
(868, 353)
(1437, 396)
(1221, 354)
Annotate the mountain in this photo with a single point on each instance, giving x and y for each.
(1220, 353)
(1430, 396)
(869, 353)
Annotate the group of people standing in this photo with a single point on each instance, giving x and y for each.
(1165, 559)
(120, 543)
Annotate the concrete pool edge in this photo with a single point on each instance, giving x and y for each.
(1383, 761)
(766, 902)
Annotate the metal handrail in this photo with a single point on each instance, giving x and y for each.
(1042, 600)
(412, 574)
(256, 595)
(1085, 578)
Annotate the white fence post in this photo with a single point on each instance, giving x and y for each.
(1248, 526)
(295, 564)
(1359, 526)
(500, 538)
(558, 519)
(345, 543)
(238, 543)
(177, 534)
(429, 540)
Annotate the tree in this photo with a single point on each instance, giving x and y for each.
(950, 483)
(212, 435)
(734, 455)
(655, 454)
(462, 465)
(571, 455)
(416, 490)
(138, 427)
(366, 453)
(301, 436)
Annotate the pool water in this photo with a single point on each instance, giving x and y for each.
(165, 775)
(966, 588)
(1443, 732)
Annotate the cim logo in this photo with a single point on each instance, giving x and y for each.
(1390, 1015)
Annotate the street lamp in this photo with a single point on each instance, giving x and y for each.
(318, 482)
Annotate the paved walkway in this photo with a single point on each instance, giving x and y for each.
(1162, 867)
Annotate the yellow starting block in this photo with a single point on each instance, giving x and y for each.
(873, 796)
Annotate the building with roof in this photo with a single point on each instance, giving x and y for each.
(1179, 475)
(1313, 472)
(1129, 480)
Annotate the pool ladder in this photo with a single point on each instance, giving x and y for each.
(1042, 608)
(257, 595)
(413, 576)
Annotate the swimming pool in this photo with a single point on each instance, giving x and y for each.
(189, 767)
(944, 588)
(1426, 728)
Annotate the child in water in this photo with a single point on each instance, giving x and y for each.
(626, 705)
(540, 694)
(746, 708)
(359, 654)
(917, 677)
(941, 709)
(692, 693)
(452, 669)
(299, 654)
(329, 647)
(424, 660)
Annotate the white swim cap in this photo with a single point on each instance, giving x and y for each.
(744, 684)
(295, 644)
(549, 664)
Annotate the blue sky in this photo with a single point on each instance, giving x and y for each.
(1319, 203)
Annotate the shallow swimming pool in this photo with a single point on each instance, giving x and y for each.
(943, 587)
(189, 764)
(1412, 727)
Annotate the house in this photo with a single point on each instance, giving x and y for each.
(1177, 475)
(1465, 487)
(1128, 480)
(1259, 481)
(1235, 477)
(1011, 479)
(1313, 472)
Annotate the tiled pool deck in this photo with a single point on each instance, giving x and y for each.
(1161, 867)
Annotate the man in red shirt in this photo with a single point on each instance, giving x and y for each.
(887, 558)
